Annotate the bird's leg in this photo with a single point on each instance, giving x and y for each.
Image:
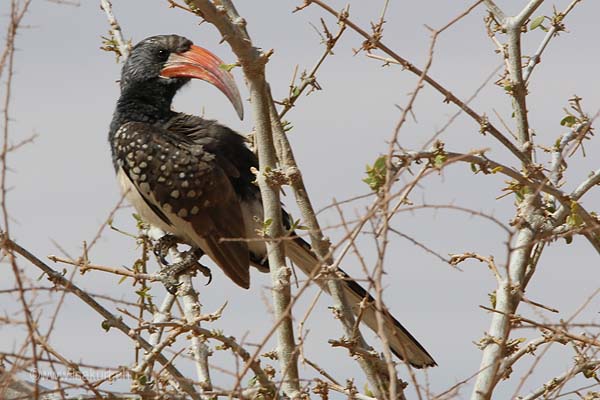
(162, 246)
(168, 275)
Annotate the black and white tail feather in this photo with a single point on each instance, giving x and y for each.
(401, 342)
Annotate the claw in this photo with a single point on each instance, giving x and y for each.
(168, 275)
(169, 281)
(160, 256)
(202, 268)
(206, 272)
(162, 246)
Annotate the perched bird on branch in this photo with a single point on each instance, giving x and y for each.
(192, 177)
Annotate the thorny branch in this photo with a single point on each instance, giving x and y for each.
(252, 60)
(321, 246)
(555, 29)
(373, 42)
(115, 42)
(111, 321)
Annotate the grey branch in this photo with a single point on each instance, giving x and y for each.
(526, 12)
(518, 89)
(511, 288)
(233, 29)
(495, 10)
(321, 247)
(192, 314)
(115, 28)
(508, 296)
(161, 315)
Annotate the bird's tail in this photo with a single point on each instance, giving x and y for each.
(401, 342)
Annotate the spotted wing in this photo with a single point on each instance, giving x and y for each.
(190, 191)
(228, 147)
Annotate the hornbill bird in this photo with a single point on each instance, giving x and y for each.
(192, 177)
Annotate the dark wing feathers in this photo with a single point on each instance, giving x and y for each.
(221, 229)
(183, 180)
(228, 147)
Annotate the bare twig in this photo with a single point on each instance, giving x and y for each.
(122, 46)
(556, 27)
(587, 367)
(483, 122)
(110, 320)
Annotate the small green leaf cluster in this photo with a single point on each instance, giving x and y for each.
(376, 174)
(263, 231)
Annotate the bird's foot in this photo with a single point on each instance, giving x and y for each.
(168, 275)
(162, 246)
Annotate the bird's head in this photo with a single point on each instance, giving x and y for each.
(160, 65)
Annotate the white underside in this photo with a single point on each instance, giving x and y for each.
(252, 213)
(183, 229)
(137, 201)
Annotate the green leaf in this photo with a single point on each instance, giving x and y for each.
(122, 279)
(297, 225)
(536, 22)
(379, 163)
(227, 67)
(492, 297)
(295, 91)
(557, 144)
(568, 121)
(574, 220)
(439, 160)
(376, 174)
(143, 293)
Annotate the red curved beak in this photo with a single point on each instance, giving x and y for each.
(201, 64)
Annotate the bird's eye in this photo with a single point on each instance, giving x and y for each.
(163, 54)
